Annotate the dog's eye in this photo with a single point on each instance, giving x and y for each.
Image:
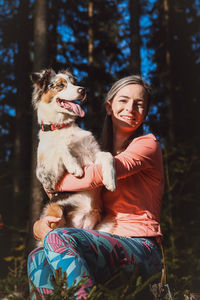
(61, 85)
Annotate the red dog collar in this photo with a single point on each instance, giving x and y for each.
(52, 127)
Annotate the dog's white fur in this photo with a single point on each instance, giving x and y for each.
(68, 149)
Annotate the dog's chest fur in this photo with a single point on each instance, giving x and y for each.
(54, 146)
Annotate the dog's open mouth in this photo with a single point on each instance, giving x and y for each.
(72, 106)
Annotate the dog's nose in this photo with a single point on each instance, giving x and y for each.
(82, 91)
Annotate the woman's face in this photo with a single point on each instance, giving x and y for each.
(128, 107)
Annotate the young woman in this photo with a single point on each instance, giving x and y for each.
(135, 204)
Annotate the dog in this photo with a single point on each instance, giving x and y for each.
(65, 147)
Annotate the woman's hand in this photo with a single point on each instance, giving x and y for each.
(42, 226)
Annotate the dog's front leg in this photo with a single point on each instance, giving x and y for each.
(47, 178)
(71, 164)
(106, 160)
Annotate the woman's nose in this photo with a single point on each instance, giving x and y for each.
(130, 106)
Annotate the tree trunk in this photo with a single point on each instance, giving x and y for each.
(90, 33)
(53, 40)
(90, 105)
(21, 157)
(40, 60)
(169, 74)
(171, 133)
(135, 40)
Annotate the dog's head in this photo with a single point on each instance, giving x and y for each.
(56, 93)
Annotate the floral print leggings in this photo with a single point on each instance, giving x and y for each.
(90, 253)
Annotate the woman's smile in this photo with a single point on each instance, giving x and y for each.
(128, 117)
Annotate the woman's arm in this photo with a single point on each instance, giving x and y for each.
(139, 155)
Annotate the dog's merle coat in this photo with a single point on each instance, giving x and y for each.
(68, 149)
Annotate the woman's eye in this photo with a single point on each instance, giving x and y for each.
(122, 100)
(139, 104)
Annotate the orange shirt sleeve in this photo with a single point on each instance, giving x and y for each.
(139, 155)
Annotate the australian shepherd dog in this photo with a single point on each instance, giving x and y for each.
(65, 147)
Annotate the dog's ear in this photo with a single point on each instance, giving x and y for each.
(41, 79)
(35, 77)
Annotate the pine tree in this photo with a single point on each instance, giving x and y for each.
(93, 52)
(174, 118)
(22, 141)
(15, 106)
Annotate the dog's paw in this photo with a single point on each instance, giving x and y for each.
(109, 180)
(75, 170)
(49, 186)
(111, 186)
(108, 169)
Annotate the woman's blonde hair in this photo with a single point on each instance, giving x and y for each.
(107, 132)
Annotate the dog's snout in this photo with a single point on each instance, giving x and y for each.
(82, 91)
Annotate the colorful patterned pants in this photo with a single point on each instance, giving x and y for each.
(90, 253)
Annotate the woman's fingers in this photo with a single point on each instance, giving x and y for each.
(51, 219)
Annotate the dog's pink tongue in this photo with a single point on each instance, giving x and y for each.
(75, 108)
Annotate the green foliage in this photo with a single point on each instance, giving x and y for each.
(174, 119)
(180, 221)
(14, 286)
(121, 286)
(61, 289)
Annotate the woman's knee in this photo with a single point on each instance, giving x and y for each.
(59, 238)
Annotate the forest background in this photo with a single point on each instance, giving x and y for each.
(101, 41)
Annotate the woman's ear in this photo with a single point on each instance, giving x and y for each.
(108, 108)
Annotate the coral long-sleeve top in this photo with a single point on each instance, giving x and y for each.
(136, 202)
